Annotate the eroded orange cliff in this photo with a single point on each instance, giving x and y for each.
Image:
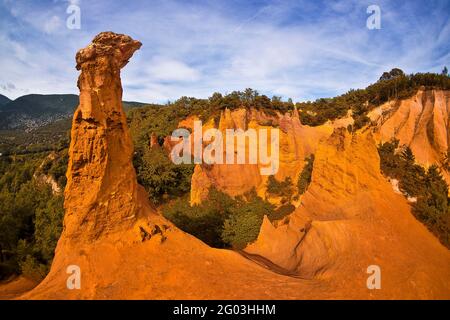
(420, 122)
(296, 142)
(349, 219)
(101, 193)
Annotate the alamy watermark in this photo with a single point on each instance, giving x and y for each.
(374, 20)
(74, 280)
(238, 147)
(73, 21)
(374, 280)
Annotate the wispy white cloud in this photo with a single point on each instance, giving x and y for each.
(166, 69)
(53, 24)
(298, 49)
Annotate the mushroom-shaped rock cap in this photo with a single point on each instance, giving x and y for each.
(119, 47)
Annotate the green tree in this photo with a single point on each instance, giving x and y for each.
(394, 73)
(161, 177)
(244, 221)
(222, 221)
(305, 176)
(283, 189)
(48, 227)
(408, 155)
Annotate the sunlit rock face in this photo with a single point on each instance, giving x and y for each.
(420, 122)
(101, 192)
(351, 218)
(296, 142)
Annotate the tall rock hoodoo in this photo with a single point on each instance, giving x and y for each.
(101, 192)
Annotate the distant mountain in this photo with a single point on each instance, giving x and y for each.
(127, 105)
(4, 100)
(36, 104)
(33, 111)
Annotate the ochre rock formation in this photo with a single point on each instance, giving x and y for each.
(297, 141)
(349, 218)
(101, 179)
(420, 122)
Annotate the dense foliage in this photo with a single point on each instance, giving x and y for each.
(432, 207)
(162, 120)
(55, 166)
(160, 176)
(392, 85)
(221, 221)
(305, 176)
(30, 218)
(283, 189)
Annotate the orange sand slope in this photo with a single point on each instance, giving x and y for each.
(349, 218)
(12, 288)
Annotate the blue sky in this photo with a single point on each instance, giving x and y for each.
(299, 49)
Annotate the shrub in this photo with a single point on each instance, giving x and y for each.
(222, 221)
(204, 221)
(160, 177)
(305, 176)
(241, 228)
(281, 212)
(283, 189)
(244, 222)
(33, 269)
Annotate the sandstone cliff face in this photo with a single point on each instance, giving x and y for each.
(420, 122)
(296, 143)
(349, 219)
(233, 179)
(101, 192)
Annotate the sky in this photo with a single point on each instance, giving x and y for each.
(298, 49)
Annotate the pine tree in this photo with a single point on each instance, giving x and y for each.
(408, 155)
